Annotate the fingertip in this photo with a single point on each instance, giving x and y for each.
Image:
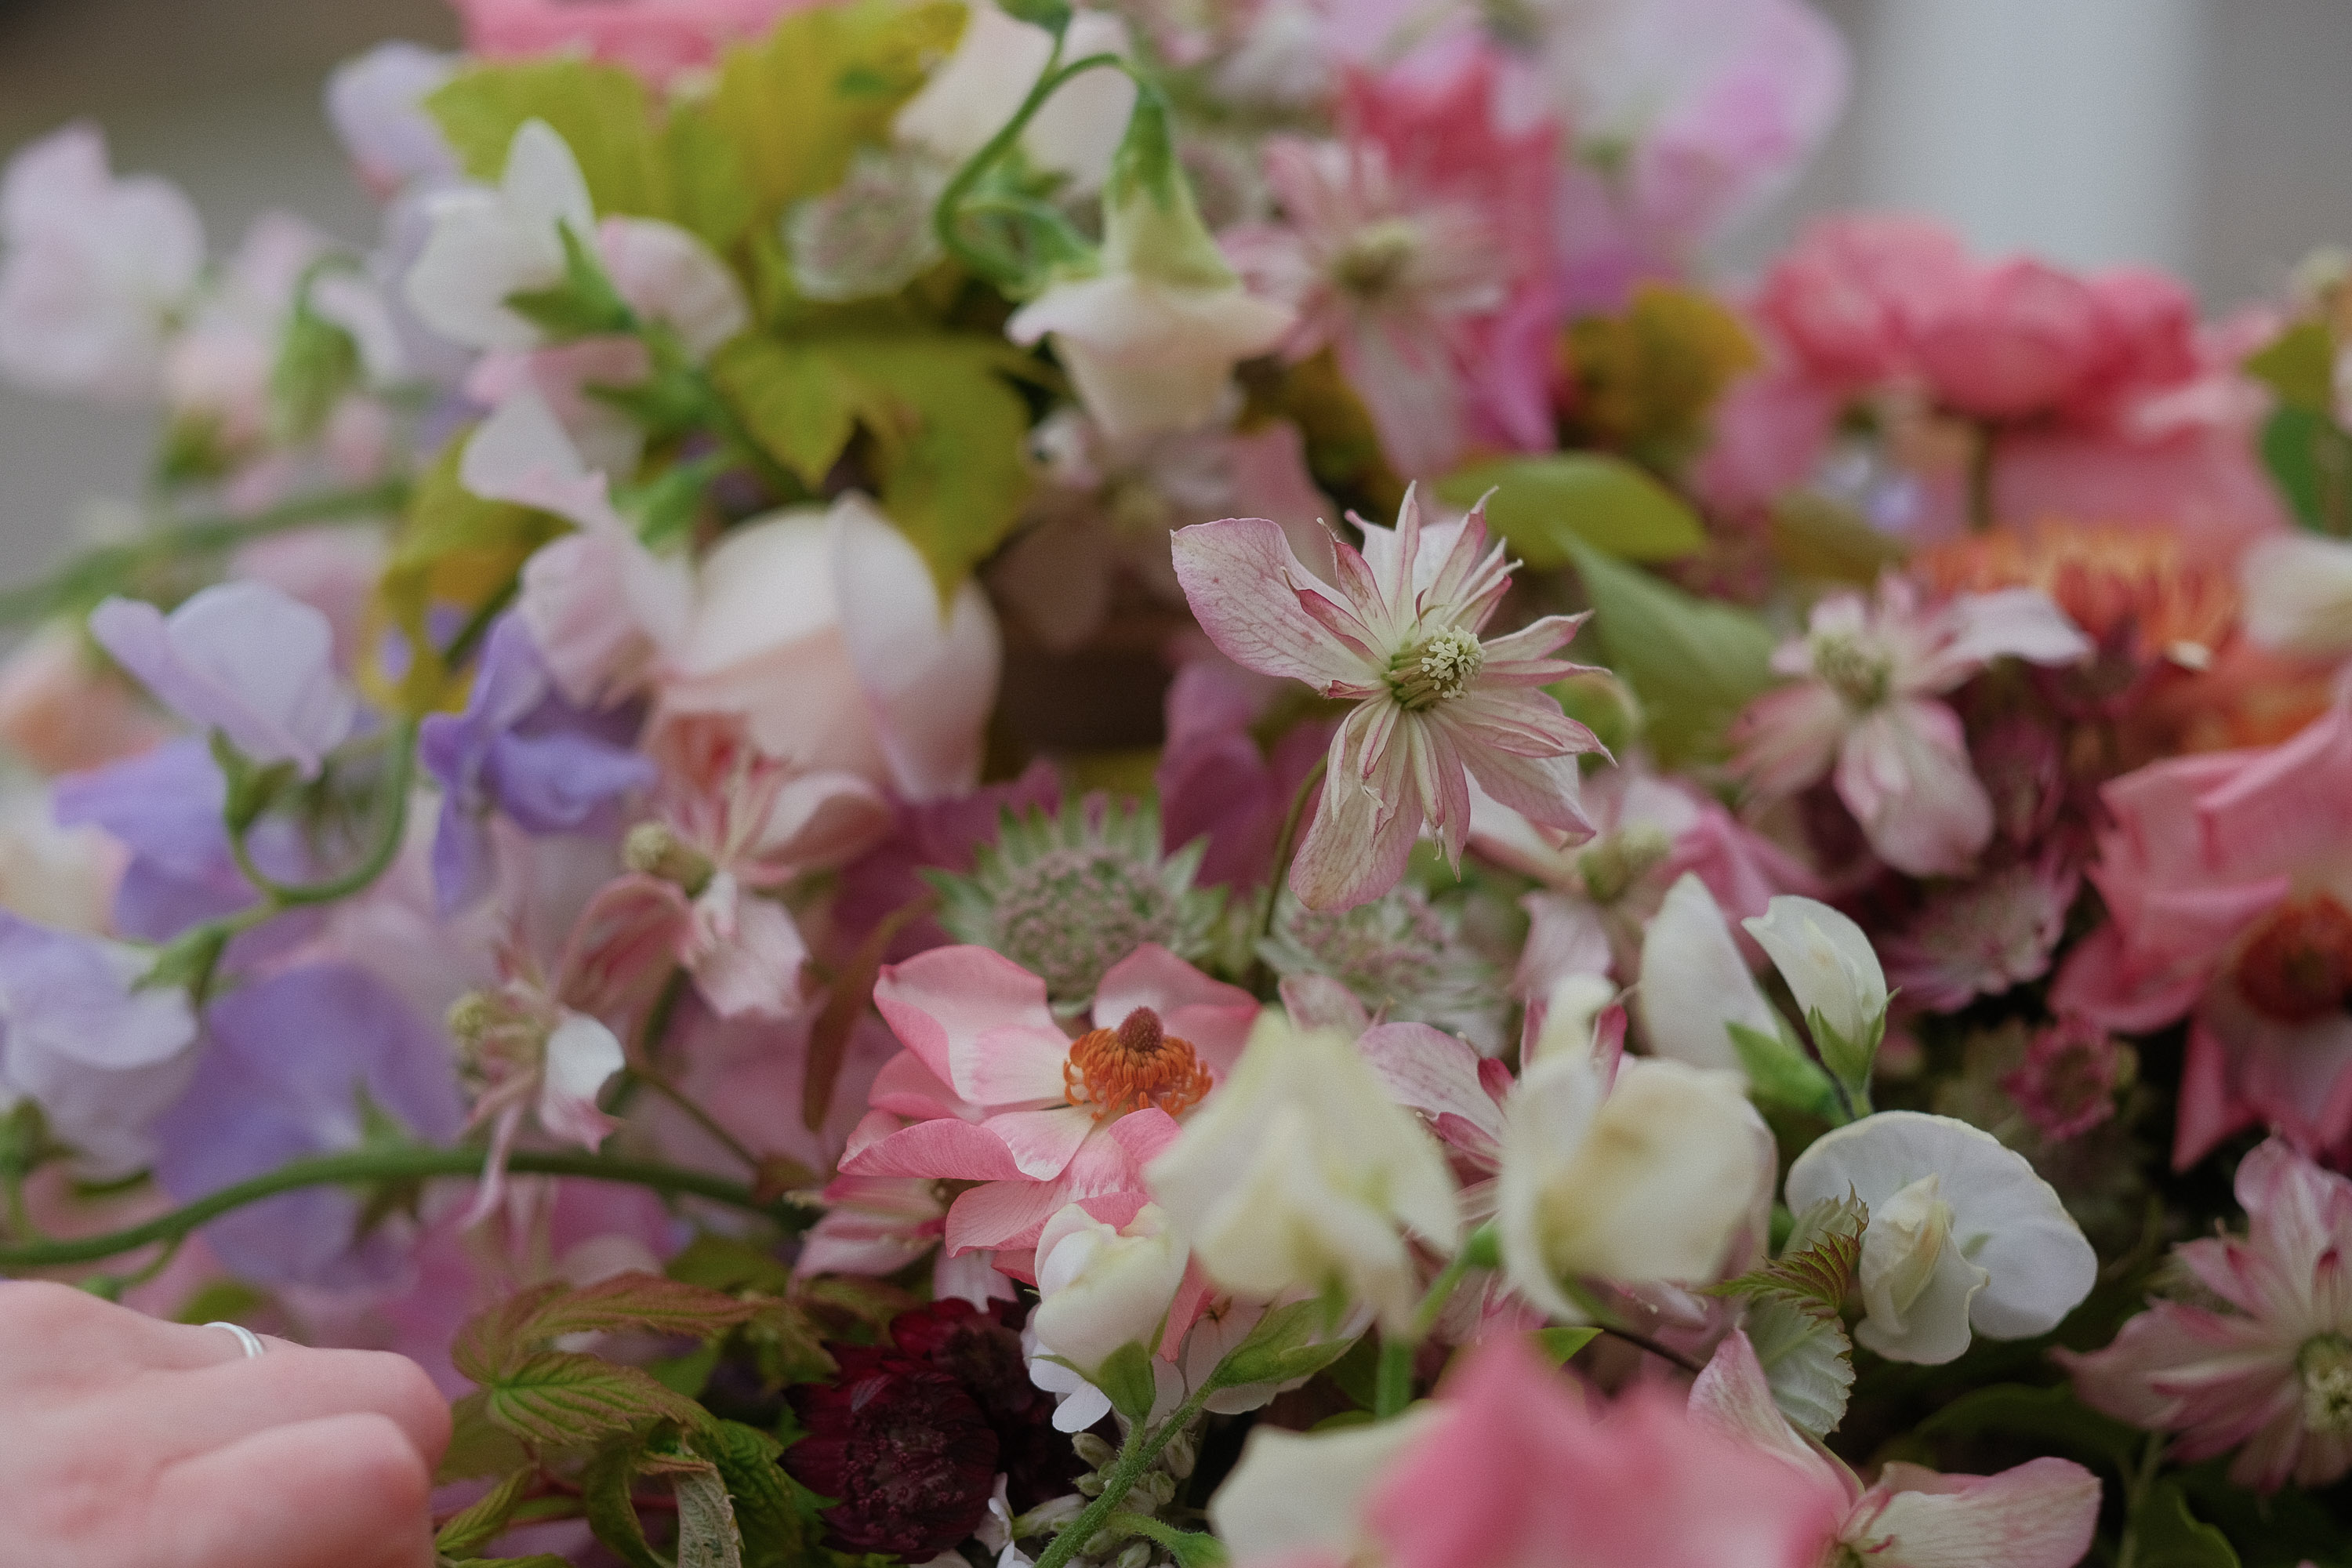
(340, 1491)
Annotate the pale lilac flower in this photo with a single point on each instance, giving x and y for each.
(243, 659)
(1863, 710)
(100, 1058)
(1983, 937)
(95, 269)
(376, 103)
(1435, 706)
(2267, 1368)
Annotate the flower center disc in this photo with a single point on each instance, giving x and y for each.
(1135, 1065)
(2298, 967)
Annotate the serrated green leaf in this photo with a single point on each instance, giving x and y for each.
(604, 1491)
(1806, 1359)
(477, 1446)
(1780, 1073)
(601, 110)
(774, 1527)
(649, 1303)
(562, 1399)
(2044, 1415)
(723, 1263)
(1557, 1344)
(1544, 506)
(1126, 1377)
(706, 1535)
(788, 1344)
(1693, 663)
(2168, 1535)
(486, 1520)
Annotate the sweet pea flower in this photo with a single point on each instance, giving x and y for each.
(1695, 983)
(1435, 706)
(1151, 333)
(1301, 1172)
(991, 1090)
(1829, 965)
(1515, 1467)
(1651, 1176)
(1100, 1288)
(242, 658)
(1863, 710)
(658, 39)
(997, 59)
(2229, 900)
(63, 710)
(93, 271)
(101, 1059)
(2265, 1367)
(2299, 594)
(376, 103)
(1962, 1233)
(2040, 1514)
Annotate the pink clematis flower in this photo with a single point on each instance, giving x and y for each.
(2268, 1371)
(1418, 246)
(1984, 937)
(2229, 897)
(1435, 706)
(2038, 1515)
(991, 1089)
(1865, 707)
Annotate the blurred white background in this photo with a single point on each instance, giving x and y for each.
(2208, 137)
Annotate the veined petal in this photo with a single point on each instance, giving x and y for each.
(1532, 643)
(1239, 576)
(1363, 833)
(941, 1150)
(2038, 1515)
(1524, 723)
(959, 1007)
(1043, 1142)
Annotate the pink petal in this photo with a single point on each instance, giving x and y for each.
(1903, 772)
(2038, 1515)
(1788, 737)
(958, 1008)
(1043, 1142)
(757, 971)
(1363, 831)
(944, 1150)
(1732, 1396)
(1432, 1072)
(1213, 1017)
(1243, 583)
(1319, 1001)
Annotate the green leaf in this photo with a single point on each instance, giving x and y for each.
(788, 1344)
(723, 1263)
(477, 1446)
(1813, 536)
(799, 402)
(775, 1528)
(561, 1399)
(1557, 1345)
(711, 193)
(706, 1535)
(317, 363)
(1054, 16)
(2299, 365)
(601, 110)
(536, 1560)
(2052, 1417)
(1794, 1316)
(799, 103)
(1693, 663)
(1781, 1073)
(2310, 459)
(2168, 1536)
(1286, 1343)
(486, 1520)
(604, 1488)
(1126, 1376)
(1189, 1548)
(1851, 1061)
(1545, 506)
(584, 305)
(495, 1341)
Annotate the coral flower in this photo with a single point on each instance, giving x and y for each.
(2272, 1377)
(1435, 706)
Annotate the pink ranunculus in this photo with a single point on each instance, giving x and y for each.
(2265, 1368)
(2229, 897)
(991, 1089)
(659, 39)
(1847, 300)
(2012, 339)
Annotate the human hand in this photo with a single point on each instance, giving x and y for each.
(126, 1442)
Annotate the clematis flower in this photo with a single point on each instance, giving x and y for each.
(1962, 1233)
(2264, 1366)
(1514, 1465)
(1863, 710)
(991, 1089)
(2227, 900)
(2039, 1514)
(1100, 1288)
(1151, 333)
(93, 271)
(1419, 247)
(100, 1058)
(1435, 706)
(1302, 1171)
(242, 658)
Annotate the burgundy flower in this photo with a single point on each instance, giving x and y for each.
(903, 1450)
(982, 1352)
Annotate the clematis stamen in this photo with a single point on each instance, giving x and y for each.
(1135, 1065)
(2325, 1363)
(1437, 668)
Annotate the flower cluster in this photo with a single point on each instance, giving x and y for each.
(855, 776)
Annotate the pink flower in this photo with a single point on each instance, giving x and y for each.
(1847, 299)
(1865, 707)
(1983, 937)
(2228, 894)
(2012, 339)
(2268, 1371)
(2038, 1515)
(1434, 705)
(1413, 245)
(991, 1090)
(658, 39)
(1213, 780)
(62, 708)
(1517, 1468)
(2066, 1085)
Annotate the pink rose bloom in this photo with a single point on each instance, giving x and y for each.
(2266, 1370)
(2229, 899)
(992, 1090)
(656, 38)
(2012, 339)
(1865, 711)
(1848, 299)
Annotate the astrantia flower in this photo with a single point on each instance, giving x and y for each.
(2268, 1368)
(1435, 705)
(2066, 1084)
(1863, 706)
(901, 1447)
(1068, 896)
(871, 234)
(1401, 955)
(1983, 937)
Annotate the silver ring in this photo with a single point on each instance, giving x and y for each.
(247, 1340)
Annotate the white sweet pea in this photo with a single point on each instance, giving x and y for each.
(1695, 983)
(2299, 594)
(1102, 1287)
(487, 245)
(1644, 1181)
(1305, 1492)
(1299, 1173)
(1962, 1233)
(996, 61)
(1829, 966)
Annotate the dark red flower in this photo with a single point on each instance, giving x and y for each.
(982, 1352)
(902, 1448)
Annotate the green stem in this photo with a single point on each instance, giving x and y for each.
(1134, 1457)
(107, 568)
(408, 1164)
(2137, 1482)
(1003, 268)
(1392, 1389)
(1286, 847)
(701, 1118)
(280, 894)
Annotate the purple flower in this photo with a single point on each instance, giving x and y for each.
(308, 1062)
(242, 657)
(98, 1057)
(519, 746)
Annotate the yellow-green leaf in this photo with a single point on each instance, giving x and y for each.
(799, 402)
(560, 1398)
(600, 110)
(1546, 505)
(1693, 662)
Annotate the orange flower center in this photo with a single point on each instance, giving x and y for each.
(2297, 968)
(1138, 1063)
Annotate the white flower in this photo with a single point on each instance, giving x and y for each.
(1299, 1173)
(1695, 983)
(1304, 1492)
(487, 245)
(2299, 594)
(376, 103)
(1646, 1180)
(667, 275)
(1961, 1233)
(1102, 1287)
(980, 86)
(1830, 968)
